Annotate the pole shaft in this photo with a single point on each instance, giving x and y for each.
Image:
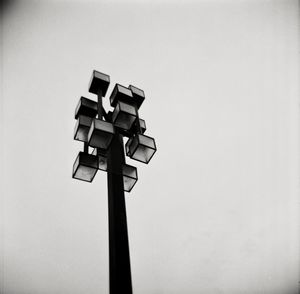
(100, 113)
(119, 259)
(99, 104)
(138, 125)
(85, 147)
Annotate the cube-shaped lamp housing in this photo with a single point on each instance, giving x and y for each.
(141, 148)
(86, 107)
(82, 128)
(102, 160)
(138, 95)
(85, 167)
(124, 115)
(99, 82)
(100, 134)
(121, 93)
(129, 177)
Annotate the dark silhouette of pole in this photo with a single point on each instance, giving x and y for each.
(119, 259)
(104, 132)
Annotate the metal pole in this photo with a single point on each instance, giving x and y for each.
(138, 125)
(99, 104)
(119, 259)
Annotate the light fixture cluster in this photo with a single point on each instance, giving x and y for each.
(96, 129)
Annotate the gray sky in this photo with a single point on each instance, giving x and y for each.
(217, 208)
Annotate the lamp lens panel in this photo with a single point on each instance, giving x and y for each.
(138, 95)
(147, 141)
(137, 91)
(120, 93)
(100, 139)
(81, 133)
(82, 128)
(86, 107)
(129, 171)
(85, 173)
(124, 116)
(103, 126)
(141, 148)
(143, 153)
(129, 177)
(85, 167)
(128, 183)
(101, 76)
(124, 107)
(100, 134)
(124, 121)
(124, 90)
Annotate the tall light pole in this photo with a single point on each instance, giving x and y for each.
(104, 132)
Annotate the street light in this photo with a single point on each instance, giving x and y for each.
(82, 128)
(85, 167)
(100, 134)
(141, 148)
(105, 132)
(86, 107)
(124, 115)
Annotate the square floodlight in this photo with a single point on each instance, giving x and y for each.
(124, 115)
(102, 160)
(99, 81)
(82, 128)
(138, 95)
(141, 148)
(85, 167)
(86, 107)
(129, 177)
(100, 134)
(121, 93)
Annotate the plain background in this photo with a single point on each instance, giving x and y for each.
(217, 208)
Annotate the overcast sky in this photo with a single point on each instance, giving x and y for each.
(216, 211)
